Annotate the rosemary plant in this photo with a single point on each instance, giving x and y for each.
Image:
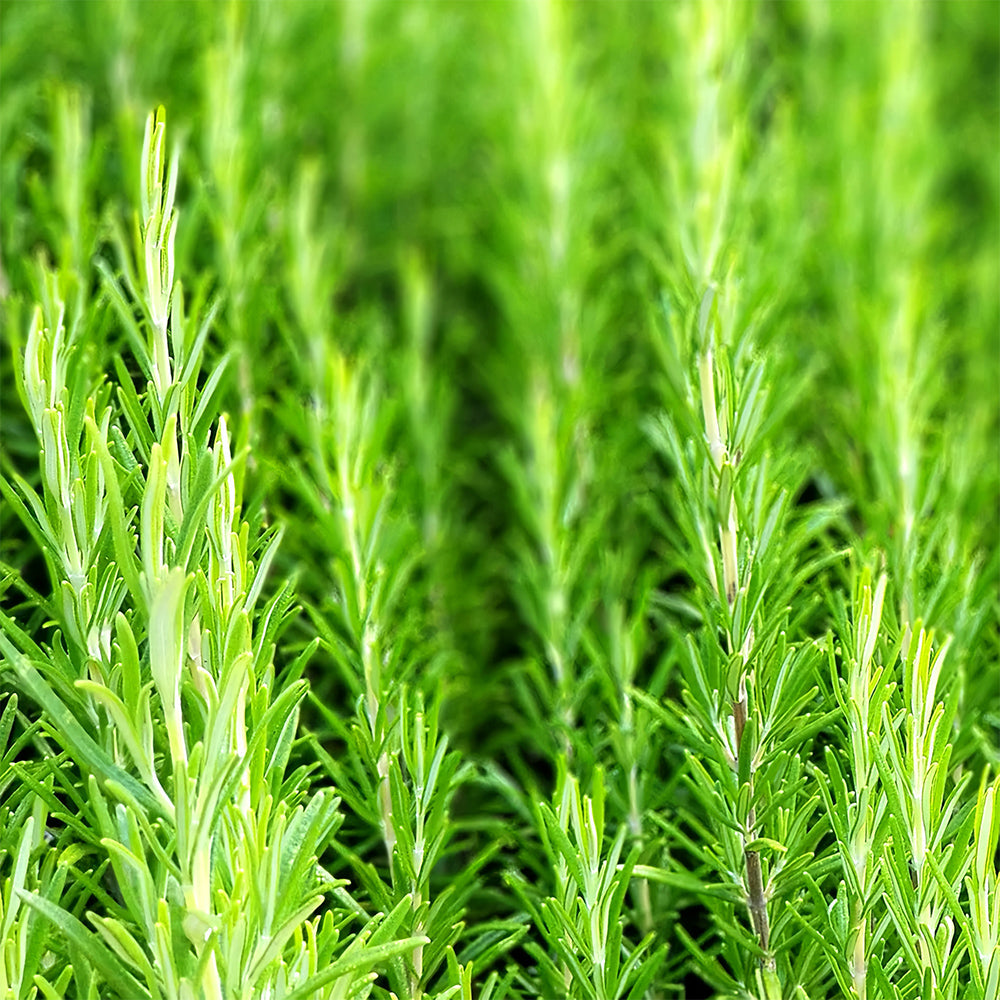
(161, 671)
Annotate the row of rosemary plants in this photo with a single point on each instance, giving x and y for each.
(499, 501)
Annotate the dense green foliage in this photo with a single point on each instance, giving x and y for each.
(499, 500)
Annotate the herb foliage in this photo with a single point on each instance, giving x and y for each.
(499, 500)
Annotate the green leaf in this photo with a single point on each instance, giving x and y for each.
(562, 843)
(357, 960)
(86, 752)
(104, 961)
